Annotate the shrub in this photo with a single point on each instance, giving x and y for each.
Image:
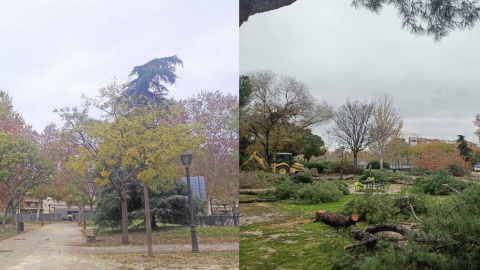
(376, 165)
(320, 166)
(9, 219)
(347, 168)
(303, 177)
(318, 192)
(434, 184)
(456, 170)
(385, 176)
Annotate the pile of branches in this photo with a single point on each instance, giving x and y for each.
(368, 237)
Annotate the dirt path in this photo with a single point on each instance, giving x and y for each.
(59, 246)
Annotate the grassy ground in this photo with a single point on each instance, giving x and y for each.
(203, 260)
(283, 236)
(164, 235)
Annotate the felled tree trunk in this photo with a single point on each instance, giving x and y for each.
(366, 237)
(336, 220)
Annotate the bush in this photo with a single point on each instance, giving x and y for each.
(9, 219)
(320, 166)
(342, 186)
(456, 170)
(319, 192)
(303, 177)
(434, 184)
(376, 165)
(347, 168)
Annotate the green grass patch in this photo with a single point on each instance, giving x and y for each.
(170, 234)
(289, 239)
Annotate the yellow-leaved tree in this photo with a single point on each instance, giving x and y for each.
(138, 140)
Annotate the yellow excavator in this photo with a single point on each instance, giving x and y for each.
(283, 163)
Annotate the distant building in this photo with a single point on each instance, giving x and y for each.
(62, 208)
(30, 206)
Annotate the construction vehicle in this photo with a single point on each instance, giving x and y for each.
(283, 163)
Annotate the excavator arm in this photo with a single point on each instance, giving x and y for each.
(259, 158)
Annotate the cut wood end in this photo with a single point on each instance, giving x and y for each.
(321, 211)
(354, 217)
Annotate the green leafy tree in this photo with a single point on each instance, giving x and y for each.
(463, 147)
(312, 146)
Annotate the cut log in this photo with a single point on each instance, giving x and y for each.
(349, 177)
(402, 182)
(256, 200)
(391, 227)
(336, 220)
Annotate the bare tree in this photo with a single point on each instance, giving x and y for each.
(387, 124)
(354, 127)
(276, 100)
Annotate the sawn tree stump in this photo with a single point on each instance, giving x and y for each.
(336, 220)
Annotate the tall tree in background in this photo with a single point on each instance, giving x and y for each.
(153, 78)
(463, 147)
(275, 100)
(387, 124)
(217, 160)
(353, 126)
(421, 17)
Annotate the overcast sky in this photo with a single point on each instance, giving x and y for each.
(341, 52)
(52, 51)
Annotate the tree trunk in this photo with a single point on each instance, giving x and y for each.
(148, 220)
(336, 220)
(40, 202)
(5, 216)
(123, 201)
(381, 159)
(355, 161)
(154, 221)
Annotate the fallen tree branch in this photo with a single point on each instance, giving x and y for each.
(451, 188)
(413, 212)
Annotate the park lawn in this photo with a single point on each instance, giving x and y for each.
(283, 235)
(201, 260)
(166, 235)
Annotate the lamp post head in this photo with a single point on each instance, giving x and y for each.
(186, 158)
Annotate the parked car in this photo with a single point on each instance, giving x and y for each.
(476, 168)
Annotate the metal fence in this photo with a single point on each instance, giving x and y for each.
(49, 217)
(219, 220)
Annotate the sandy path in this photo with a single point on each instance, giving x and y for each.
(60, 246)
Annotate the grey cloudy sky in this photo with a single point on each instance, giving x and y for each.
(52, 51)
(341, 52)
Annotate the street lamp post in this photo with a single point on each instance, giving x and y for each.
(49, 220)
(186, 159)
(341, 166)
(41, 214)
